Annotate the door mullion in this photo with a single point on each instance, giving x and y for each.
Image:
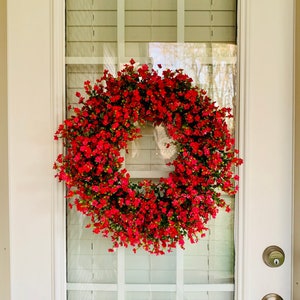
(179, 274)
(121, 31)
(180, 21)
(121, 273)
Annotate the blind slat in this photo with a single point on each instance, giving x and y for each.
(156, 18)
(213, 34)
(91, 5)
(150, 5)
(204, 18)
(87, 34)
(150, 34)
(92, 18)
(206, 5)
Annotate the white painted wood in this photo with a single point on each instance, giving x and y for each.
(151, 287)
(121, 273)
(30, 130)
(101, 60)
(266, 141)
(91, 287)
(296, 233)
(4, 190)
(121, 30)
(180, 287)
(180, 21)
(57, 93)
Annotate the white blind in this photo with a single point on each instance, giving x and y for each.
(103, 34)
(93, 25)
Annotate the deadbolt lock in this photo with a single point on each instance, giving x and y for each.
(273, 257)
(272, 297)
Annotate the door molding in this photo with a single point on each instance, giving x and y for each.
(57, 117)
(4, 190)
(296, 250)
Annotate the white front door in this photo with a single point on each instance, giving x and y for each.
(228, 263)
(34, 63)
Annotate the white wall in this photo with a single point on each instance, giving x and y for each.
(267, 91)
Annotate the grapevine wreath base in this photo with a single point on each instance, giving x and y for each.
(154, 216)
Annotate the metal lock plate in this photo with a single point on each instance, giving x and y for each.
(273, 256)
(272, 297)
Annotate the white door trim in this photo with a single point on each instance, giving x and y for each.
(58, 115)
(266, 143)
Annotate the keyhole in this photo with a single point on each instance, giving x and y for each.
(273, 256)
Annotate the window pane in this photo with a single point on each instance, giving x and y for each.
(90, 295)
(211, 260)
(104, 35)
(88, 260)
(209, 296)
(146, 268)
(150, 295)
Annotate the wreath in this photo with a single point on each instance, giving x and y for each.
(155, 216)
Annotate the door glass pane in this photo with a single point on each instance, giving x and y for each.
(209, 296)
(105, 35)
(150, 295)
(212, 259)
(88, 260)
(145, 268)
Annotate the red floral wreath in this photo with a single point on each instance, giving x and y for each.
(154, 216)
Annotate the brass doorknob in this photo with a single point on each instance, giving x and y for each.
(272, 297)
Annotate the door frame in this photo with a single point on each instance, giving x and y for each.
(296, 235)
(266, 104)
(4, 192)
